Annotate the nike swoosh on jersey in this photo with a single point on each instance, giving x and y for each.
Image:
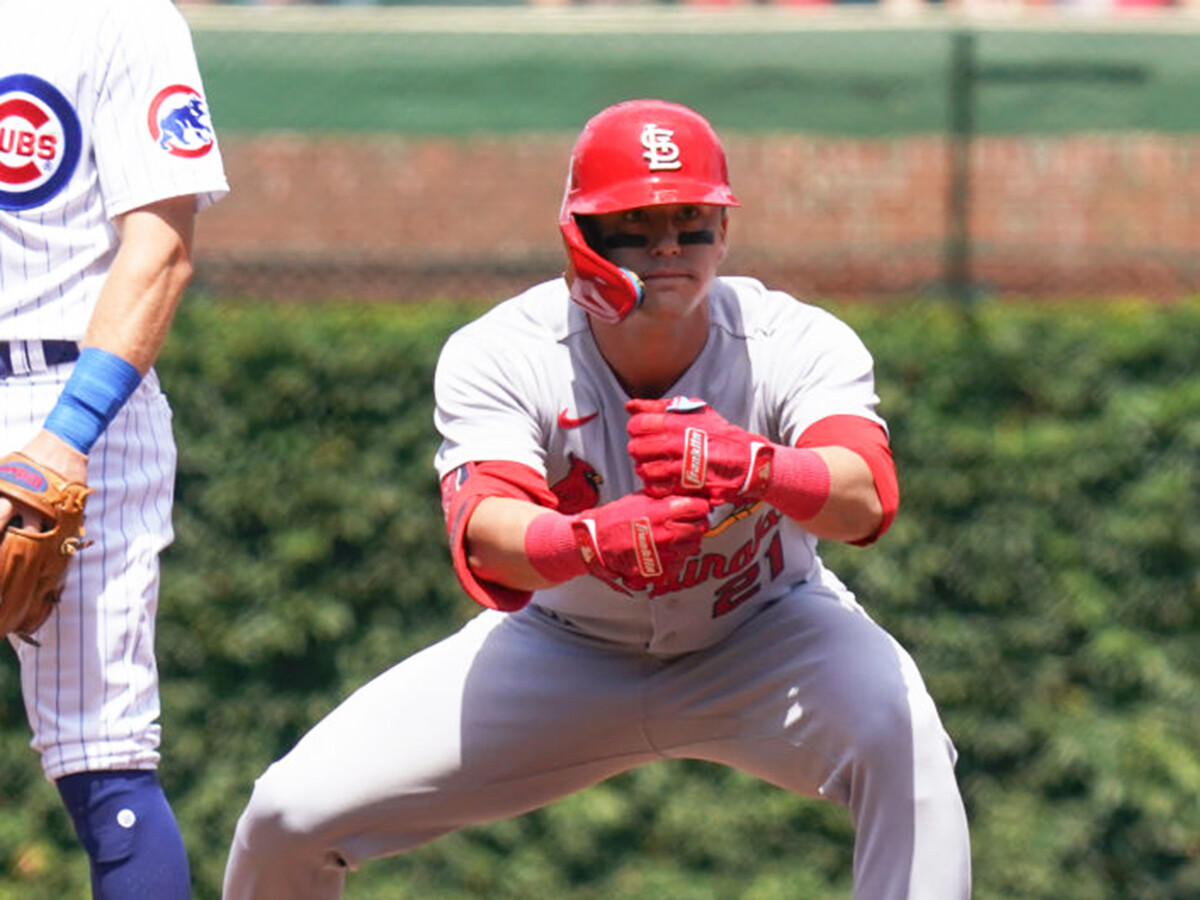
(565, 421)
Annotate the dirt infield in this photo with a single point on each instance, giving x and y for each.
(396, 219)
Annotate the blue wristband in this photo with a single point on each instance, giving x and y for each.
(92, 397)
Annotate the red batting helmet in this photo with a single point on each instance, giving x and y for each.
(637, 153)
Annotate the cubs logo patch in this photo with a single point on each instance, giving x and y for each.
(40, 141)
(179, 122)
(24, 476)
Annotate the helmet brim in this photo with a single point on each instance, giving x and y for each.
(653, 191)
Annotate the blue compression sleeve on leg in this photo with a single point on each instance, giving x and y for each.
(125, 824)
(92, 397)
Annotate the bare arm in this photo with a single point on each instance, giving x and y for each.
(133, 314)
(496, 543)
(147, 279)
(853, 510)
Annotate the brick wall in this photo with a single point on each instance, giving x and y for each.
(389, 218)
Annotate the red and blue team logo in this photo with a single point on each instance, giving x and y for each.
(40, 141)
(179, 122)
(24, 476)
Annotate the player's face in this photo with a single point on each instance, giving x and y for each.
(674, 249)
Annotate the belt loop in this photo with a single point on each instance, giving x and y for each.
(18, 358)
(26, 357)
(35, 356)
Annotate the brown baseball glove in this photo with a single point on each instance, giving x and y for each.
(34, 554)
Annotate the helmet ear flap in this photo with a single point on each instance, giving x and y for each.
(607, 291)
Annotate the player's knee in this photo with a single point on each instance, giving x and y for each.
(276, 823)
(879, 728)
(896, 722)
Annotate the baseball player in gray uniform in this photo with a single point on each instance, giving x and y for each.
(106, 153)
(637, 463)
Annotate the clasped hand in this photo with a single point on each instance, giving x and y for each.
(684, 447)
(689, 459)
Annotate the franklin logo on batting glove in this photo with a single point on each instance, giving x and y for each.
(647, 553)
(695, 458)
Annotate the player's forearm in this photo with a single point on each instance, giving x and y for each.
(149, 274)
(852, 511)
(129, 325)
(495, 543)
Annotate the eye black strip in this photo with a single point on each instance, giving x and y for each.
(619, 240)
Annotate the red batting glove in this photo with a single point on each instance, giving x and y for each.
(683, 446)
(637, 539)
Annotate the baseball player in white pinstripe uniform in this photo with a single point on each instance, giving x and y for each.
(107, 152)
(637, 464)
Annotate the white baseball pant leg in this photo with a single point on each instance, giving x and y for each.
(514, 711)
(820, 700)
(91, 688)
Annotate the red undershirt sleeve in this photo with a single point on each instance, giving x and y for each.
(462, 491)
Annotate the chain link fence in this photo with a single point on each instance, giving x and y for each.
(410, 153)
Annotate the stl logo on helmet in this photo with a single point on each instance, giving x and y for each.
(661, 152)
(179, 122)
(40, 141)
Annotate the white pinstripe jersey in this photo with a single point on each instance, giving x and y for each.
(101, 111)
(526, 383)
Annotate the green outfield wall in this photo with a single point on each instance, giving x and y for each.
(454, 72)
(407, 153)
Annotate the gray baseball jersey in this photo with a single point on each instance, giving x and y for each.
(526, 383)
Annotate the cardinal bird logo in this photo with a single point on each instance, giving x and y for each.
(579, 489)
